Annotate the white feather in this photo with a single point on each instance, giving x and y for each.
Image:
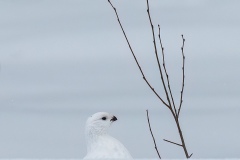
(100, 145)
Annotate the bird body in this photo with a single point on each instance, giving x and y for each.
(100, 145)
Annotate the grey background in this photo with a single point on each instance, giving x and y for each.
(62, 61)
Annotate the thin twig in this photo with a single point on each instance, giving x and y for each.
(190, 155)
(135, 56)
(156, 53)
(152, 135)
(172, 142)
(164, 66)
(183, 75)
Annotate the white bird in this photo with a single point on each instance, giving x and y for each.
(100, 145)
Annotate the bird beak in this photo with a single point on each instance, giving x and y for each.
(113, 118)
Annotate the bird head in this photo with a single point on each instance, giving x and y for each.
(99, 123)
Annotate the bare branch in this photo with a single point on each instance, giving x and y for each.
(173, 142)
(152, 135)
(173, 110)
(156, 53)
(155, 92)
(181, 136)
(183, 75)
(164, 66)
(135, 58)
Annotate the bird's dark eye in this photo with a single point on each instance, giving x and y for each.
(104, 118)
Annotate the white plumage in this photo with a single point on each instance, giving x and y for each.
(100, 145)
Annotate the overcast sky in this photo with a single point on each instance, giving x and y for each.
(63, 60)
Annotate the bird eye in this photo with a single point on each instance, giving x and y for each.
(104, 118)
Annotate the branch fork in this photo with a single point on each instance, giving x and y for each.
(170, 103)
